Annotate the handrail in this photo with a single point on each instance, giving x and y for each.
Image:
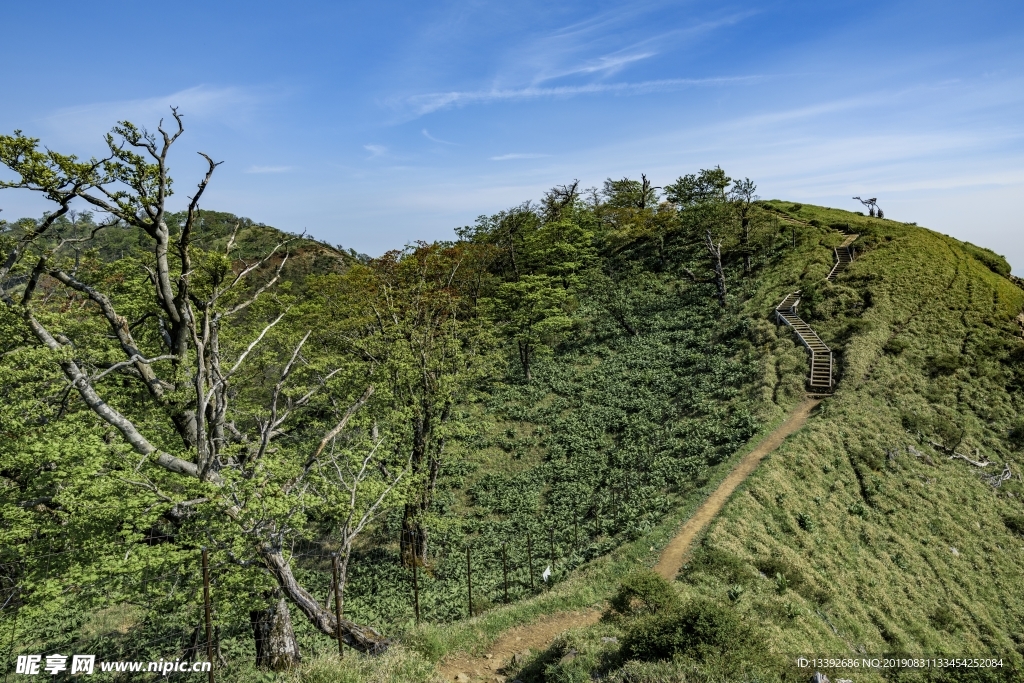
(790, 310)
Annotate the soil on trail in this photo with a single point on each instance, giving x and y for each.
(535, 636)
(539, 634)
(671, 560)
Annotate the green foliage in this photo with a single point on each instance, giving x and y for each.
(700, 188)
(702, 630)
(896, 345)
(936, 369)
(643, 592)
(640, 387)
(993, 261)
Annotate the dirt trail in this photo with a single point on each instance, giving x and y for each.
(671, 560)
(539, 634)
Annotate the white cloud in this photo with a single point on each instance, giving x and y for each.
(431, 102)
(375, 150)
(506, 157)
(88, 122)
(269, 169)
(431, 137)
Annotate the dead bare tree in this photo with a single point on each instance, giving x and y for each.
(873, 208)
(715, 252)
(130, 186)
(558, 198)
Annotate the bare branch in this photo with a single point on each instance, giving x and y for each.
(134, 359)
(976, 463)
(341, 424)
(248, 349)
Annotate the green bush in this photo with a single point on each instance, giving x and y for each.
(718, 563)
(1016, 434)
(992, 260)
(858, 326)
(805, 522)
(943, 618)
(1015, 523)
(896, 346)
(796, 207)
(944, 363)
(643, 593)
(702, 630)
(773, 567)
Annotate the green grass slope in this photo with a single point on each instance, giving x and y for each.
(885, 543)
(864, 534)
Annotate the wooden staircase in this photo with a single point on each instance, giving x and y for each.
(844, 257)
(786, 314)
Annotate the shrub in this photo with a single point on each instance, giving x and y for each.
(1016, 434)
(992, 260)
(643, 592)
(773, 567)
(805, 522)
(816, 223)
(895, 346)
(796, 207)
(944, 363)
(1015, 523)
(858, 326)
(702, 629)
(943, 618)
(839, 226)
(718, 563)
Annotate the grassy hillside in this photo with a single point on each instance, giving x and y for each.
(864, 534)
(874, 530)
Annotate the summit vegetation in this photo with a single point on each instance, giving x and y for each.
(354, 443)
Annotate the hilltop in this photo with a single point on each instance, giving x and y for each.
(571, 379)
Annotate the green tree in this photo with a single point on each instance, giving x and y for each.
(742, 196)
(532, 312)
(704, 210)
(185, 357)
(412, 315)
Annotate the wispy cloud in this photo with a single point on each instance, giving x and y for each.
(506, 157)
(431, 102)
(606, 64)
(86, 122)
(375, 150)
(269, 169)
(431, 137)
(563, 53)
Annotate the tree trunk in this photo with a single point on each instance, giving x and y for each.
(413, 543)
(745, 220)
(414, 536)
(361, 638)
(524, 358)
(716, 262)
(276, 646)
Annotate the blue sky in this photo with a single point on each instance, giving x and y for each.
(375, 124)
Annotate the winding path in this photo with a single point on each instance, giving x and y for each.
(539, 634)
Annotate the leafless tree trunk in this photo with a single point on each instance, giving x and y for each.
(130, 186)
(715, 251)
